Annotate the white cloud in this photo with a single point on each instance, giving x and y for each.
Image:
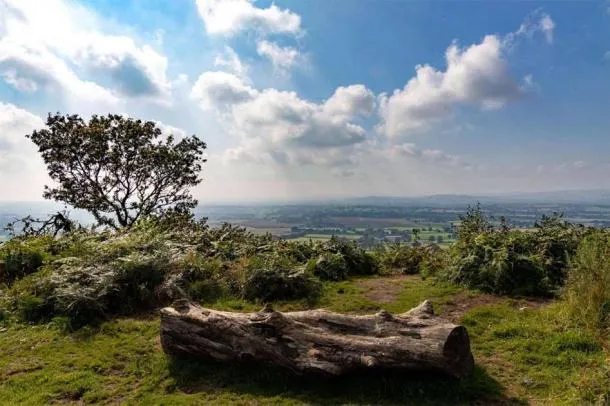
(167, 130)
(29, 68)
(431, 155)
(537, 21)
(18, 158)
(229, 17)
(41, 41)
(218, 90)
(279, 126)
(350, 101)
(230, 60)
(477, 75)
(547, 25)
(25, 85)
(134, 71)
(579, 164)
(282, 58)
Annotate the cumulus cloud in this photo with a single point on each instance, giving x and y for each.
(280, 125)
(134, 71)
(229, 17)
(18, 159)
(350, 101)
(29, 68)
(40, 42)
(477, 75)
(219, 90)
(282, 58)
(231, 61)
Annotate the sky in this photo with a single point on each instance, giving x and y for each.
(323, 98)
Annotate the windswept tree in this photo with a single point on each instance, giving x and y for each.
(118, 169)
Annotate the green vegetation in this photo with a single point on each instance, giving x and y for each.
(498, 259)
(522, 355)
(587, 292)
(88, 276)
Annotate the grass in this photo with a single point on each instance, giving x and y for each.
(522, 356)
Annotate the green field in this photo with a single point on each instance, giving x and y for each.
(524, 352)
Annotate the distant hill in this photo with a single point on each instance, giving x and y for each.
(559, 196)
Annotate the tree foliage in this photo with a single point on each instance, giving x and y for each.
(117, 168)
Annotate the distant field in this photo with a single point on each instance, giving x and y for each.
(273, 231)
(324, 237)
(373, 222)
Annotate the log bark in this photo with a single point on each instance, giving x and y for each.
(319, 341)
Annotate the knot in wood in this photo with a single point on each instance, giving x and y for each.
(384, 315)
(182, 305)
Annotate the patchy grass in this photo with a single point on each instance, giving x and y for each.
(537, 356)
(523, 356)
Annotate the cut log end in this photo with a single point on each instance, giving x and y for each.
(457, 352)
(319, 341)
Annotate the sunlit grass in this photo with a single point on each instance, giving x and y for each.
(528, 355)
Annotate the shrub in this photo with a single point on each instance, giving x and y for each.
(87, 293)
(274, 284)
(32, 308)
(328, 267)
(426, 260)
(206, 290)
(19, 261)
(496, 259)
(587, 291)
(358, 261)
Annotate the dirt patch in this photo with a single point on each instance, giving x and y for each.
(383, 289)
(454, 308)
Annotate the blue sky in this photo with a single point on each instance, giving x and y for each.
(306, 99)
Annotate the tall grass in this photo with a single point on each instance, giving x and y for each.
(587, 291)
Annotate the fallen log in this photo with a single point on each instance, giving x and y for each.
(319, 341)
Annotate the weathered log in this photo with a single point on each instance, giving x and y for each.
(319, 341)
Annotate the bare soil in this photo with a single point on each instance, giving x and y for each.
(383, 289)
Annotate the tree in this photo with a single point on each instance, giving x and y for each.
(119, 169)
(473, 223)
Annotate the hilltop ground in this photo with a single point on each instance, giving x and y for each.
(523, 355)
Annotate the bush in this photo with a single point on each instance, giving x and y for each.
(87, 293)
(18, 262)
(425, 260)
(587, 291)
(496, 259)
(206, 290)
(32, 308)
(273, 284)
(328, 267)
(358, 261)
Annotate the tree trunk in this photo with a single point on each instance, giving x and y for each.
(319, 341)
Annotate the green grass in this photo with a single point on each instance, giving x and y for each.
(538, 356)
(522, 356)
